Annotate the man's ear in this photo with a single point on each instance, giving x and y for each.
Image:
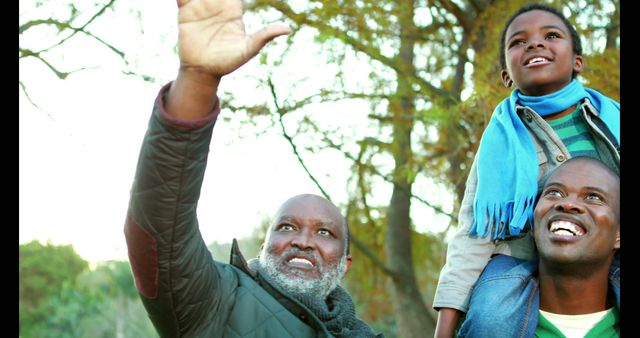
(616, 245)
(506, 79)
(260, 250)
(348, 266)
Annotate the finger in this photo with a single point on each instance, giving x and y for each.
(182, 2)
(260, 38)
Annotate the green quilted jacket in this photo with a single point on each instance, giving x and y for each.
(186, 292)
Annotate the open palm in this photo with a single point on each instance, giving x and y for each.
(212, 37)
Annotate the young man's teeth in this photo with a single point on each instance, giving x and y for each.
(564, 232)
(565, 228)
(534, 60)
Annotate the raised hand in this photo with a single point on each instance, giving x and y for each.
(212, 43)
(212, 37)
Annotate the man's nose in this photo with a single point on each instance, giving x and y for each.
(569, 205)
(303, 240)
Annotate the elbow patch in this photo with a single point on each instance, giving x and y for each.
(143, 257)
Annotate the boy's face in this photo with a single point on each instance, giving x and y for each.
(539, 54)
(577, 218)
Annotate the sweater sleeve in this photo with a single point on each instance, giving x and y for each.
(179, 284)
(466, 256)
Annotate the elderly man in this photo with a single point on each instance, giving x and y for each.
(292, 290)
(568, 292)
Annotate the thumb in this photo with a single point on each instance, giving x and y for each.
(260, 38)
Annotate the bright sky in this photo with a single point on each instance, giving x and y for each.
(78, 152)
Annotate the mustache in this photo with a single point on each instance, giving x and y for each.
(298, 282)
(306, 254)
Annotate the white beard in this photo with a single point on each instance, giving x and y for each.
(294, 281)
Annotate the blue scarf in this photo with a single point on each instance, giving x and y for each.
(507, 161)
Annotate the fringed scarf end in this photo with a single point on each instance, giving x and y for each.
(502, 220)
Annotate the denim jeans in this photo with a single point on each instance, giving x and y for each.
(505, 301)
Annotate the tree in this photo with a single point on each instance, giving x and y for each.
(421, 79)
(118, 308)
(250, 245)
(43, 271)
(48, 30)
(431, 80)
(102, 302)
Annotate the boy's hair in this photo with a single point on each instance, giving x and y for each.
(575, 38)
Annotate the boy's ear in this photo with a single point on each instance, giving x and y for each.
(578, 64)
(506, 80)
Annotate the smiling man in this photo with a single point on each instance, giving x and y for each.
(568, 291)
(306, 250)
(292, 289)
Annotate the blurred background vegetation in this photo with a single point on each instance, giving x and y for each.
(431, 80)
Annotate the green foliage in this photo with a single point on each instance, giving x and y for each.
(43, 270)
(249, 246)
(421, 57)
(61, 314)
(112, 279)
(101, 303)
(602, 72)
(366, 283)
(61, 297)
(429, 251)
(409, 62)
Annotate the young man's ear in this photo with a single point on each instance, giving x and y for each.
(617, 243)
(506, 79)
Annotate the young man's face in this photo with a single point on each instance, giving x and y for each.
(539, 54)
(305, 248)
(577, 217)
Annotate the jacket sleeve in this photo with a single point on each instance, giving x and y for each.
(466, 256)
(179, 284)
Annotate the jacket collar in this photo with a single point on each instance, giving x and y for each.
(292, 305)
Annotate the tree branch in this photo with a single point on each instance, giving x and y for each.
(384, 177)
(302, 19)
(359, 244)
(458, 13)
(59, 74)
(363, 197)
(371, 255)
(24, 90)
(147, 78)
(82, 28)
(67, 25)
(282, 111)
(290, 139)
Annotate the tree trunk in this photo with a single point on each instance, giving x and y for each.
(412, 316)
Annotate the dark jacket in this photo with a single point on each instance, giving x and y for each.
(186, 292)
